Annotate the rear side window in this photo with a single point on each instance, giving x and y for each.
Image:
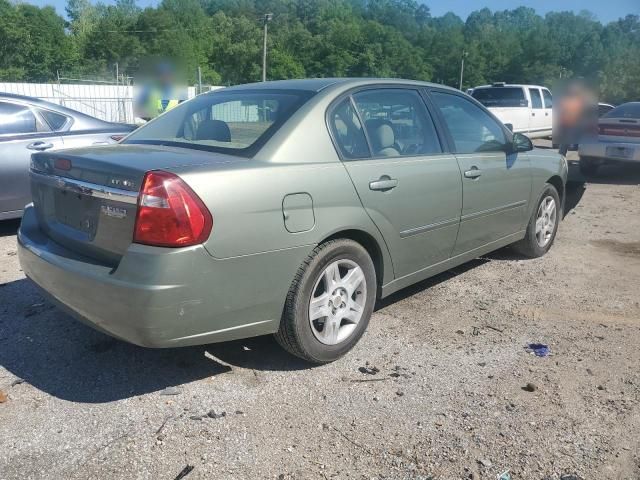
(472, 128)
(55, 120)
(16, 119)
(500, 96)
(236, 122)
(397, 123)
(347, 131)
(548, 99)
(536, 100)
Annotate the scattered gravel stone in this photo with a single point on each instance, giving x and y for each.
(368, 370)
(213, 414)
(530, 387)
(171, 391)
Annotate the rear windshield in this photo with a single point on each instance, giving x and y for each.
(627, 110)
(235, 122)
(500, 96)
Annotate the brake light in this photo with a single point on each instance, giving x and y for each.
(170, 214)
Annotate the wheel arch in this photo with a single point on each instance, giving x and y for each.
(559, 185)
(381, 262)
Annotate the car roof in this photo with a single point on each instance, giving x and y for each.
(319, 84)
(510, 85)
(81, 120)
(43, 103)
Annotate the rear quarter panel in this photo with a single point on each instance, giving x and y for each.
(247, 206)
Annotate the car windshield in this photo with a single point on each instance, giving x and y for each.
(500, 96)
(235, 122)
(627, 110)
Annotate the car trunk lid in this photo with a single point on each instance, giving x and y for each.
(86, 199)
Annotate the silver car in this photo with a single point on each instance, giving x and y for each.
(618, 139)
(284, 207)
(29, 125)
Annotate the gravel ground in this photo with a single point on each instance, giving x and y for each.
(448, 390)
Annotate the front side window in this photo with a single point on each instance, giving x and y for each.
(236, 122)
(472, 129)
(348, 132)
(16, 119)
(397, 123)
(536, 100)
(548, 99)
(500, 96)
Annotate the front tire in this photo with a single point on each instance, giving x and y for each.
(543, 225)
(330, 302)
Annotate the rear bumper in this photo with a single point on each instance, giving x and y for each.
(159, 297)
(599, 151)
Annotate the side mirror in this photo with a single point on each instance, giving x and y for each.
(509, 126)
(521, 143)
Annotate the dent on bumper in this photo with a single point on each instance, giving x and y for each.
(156, 297)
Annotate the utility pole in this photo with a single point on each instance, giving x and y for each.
(464, 54)
(199, 80)
(266, 19)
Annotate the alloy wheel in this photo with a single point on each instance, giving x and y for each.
(546, 221)
(337, 302)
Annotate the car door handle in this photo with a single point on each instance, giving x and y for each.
(384, 183)
(40, 146)
(475, 172)
(533, 114)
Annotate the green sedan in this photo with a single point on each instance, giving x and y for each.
(283, 208)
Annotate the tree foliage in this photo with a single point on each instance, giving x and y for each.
(314, 38)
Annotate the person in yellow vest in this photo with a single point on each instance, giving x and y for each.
(159, 97)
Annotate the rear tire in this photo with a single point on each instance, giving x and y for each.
(340, 279)
(588, 167)
(543, 225)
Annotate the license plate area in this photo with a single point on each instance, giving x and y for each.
(77, 211)
(619, 152)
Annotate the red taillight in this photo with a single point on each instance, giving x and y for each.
(170, 214)
(62, 164)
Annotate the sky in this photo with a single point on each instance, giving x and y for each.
(605, 10)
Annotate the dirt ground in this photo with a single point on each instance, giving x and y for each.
(449, 400)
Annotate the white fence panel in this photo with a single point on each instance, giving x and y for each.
(113, 103)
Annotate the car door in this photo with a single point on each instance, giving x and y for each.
(22, 133)
(537, 121)
(547, 100)
(409, 187)
(495, 184)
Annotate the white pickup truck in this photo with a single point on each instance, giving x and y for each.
(527, 108)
